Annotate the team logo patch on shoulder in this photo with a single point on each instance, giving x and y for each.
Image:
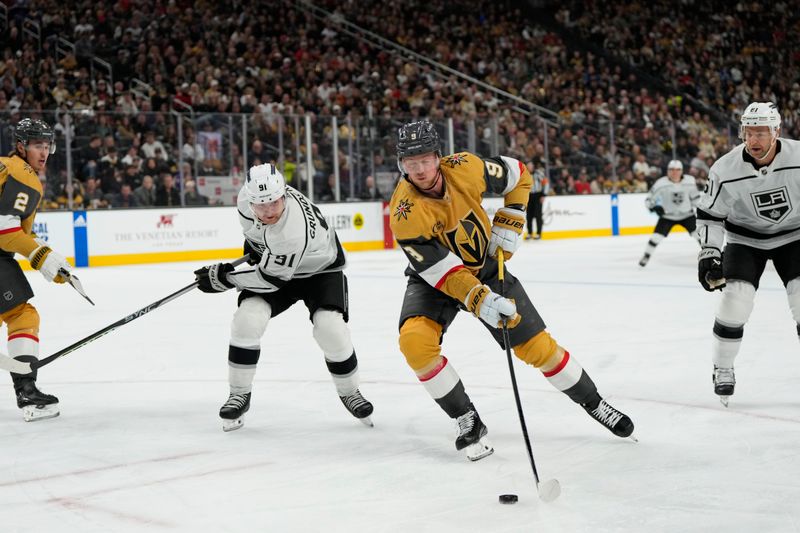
(403, 209)
(455, 160)
(772, 205)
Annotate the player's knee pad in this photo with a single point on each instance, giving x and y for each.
(537, 350)
(250, 322)
(419, 342)
(656, 238)
(737, 303)
(332, 334)
(793, 294)
(22, 319)
(23, 331)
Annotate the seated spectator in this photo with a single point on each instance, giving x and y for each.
(167, 194)
(369, 191)
(582, 185)
(146, 192)
(191, 195)
(124, 198)
(152, 147)
(77, 189)
(93, 197)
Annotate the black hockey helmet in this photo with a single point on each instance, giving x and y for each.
(416, 138)
(33, 129)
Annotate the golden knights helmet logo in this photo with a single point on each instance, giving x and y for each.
(468, 240)
(773, 205)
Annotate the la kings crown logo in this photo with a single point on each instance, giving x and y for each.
(772, 205)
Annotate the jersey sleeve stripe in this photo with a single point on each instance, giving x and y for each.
(515, 169)
(10, 230)
(442, 280)
(436, 274)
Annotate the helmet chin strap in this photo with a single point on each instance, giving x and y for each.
(438, 177)
(766, 155)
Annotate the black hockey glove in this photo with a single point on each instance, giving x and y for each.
(214, 278)
(255, 255)
(658, 210)
(710, 269)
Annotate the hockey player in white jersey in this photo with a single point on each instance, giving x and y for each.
(673, 198)
(294, 256)
(749, 207)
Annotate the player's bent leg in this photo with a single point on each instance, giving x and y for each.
(733, 312)
(565, 374)
(23, 345)
(248, 326)
(654, 241)
(419, 342)
(793, 294)
(333, 337)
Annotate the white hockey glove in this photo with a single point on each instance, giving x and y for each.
(49, 263)
(507, 229)
(491, 307)
(214, 278)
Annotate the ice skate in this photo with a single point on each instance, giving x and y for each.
(615, 421)
(643, 261)
(472, 436)
(724, 383)
(232, 412)
(358, 406)
(35, 404)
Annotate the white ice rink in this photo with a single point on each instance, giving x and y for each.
(139, 446)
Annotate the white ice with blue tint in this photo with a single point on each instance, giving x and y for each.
(139, 445)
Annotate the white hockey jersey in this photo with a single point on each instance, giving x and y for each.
(750, 205)
(299, 245)
(678, 199)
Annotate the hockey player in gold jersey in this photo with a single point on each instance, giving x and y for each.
(437, 218)
(20, 194)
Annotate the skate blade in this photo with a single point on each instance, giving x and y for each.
(367, 421)
(724, 400)
(633, 437)
(479, 450)
(232, 425)
(32, 413)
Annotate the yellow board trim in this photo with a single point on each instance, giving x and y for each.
(200, 255)
(646, 230)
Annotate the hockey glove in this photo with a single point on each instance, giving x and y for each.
(214, 278)
(49, 263)
(491, 307)
(507, 229)
(658, 210)
(710, 269)
(250, 250)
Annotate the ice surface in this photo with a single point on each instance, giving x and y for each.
(139, 445)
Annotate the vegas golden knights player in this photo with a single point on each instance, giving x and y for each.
(438, 221)
(20, 194)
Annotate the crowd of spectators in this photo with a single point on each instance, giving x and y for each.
(613, 131)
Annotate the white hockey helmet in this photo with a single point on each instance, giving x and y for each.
(264, 184)
(675, 164)
(760, 114)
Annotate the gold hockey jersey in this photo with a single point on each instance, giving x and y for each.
(446, 239)
(20, 194)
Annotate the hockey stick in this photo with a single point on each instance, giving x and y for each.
(73, 280)
(12, 365)
(548, 490)
(130, 318)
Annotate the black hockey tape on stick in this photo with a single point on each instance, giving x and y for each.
(130, 318)
(548, 490)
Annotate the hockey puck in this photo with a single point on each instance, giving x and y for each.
(508, 498)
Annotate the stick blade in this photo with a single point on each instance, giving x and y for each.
(549, 490)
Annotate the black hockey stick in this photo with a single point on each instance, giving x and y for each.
(548, 490)
(130, 318)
